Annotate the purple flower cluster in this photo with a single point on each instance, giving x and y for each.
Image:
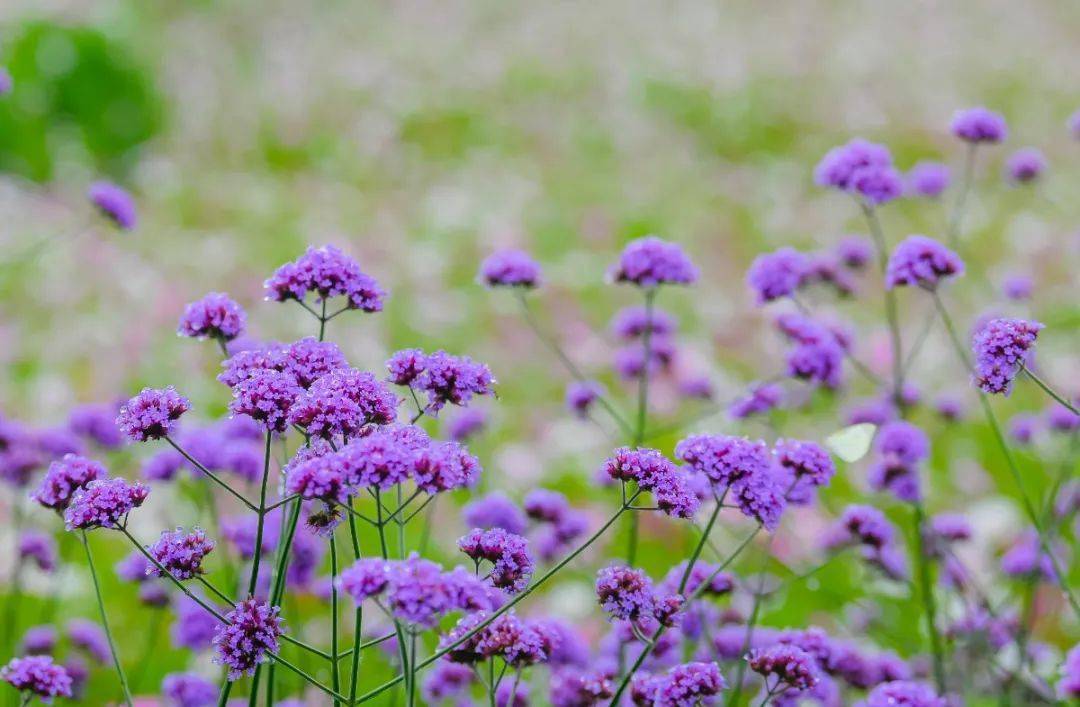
(494, 511)
(510, 268)
(625, 593)
(96, 422)
(512, 565)
(37, 675)
(903, 693)
(326, 272)
(631, 323)
(743, 468)
(802, 466)
(1069, 685)
(818, 352)
(89, 637)
(38, 547)
(252, 630)
(650, 262)
(152, 414)
(652, 471)
(1001, 347)
(520, 643)
(188, 690)
(1025, 165)
(104, 503)
(777, 274)
(444, 377)
(928, 179)
(572, 687)
(559, 524)
(64, 478)
(684, 685)
(341, 403)
(366, 578)
(867, 527)
(215, 316)
(180, 553)
(901, 447)
(791, 666)
(266, 396)
(760, 398)
(307, 360)
(863, 168)
(919, 261)
(976, 125)
(115, 203)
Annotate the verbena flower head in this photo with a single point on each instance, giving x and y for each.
(134, 567)
(877, 185)
(1069, 684)
(385, 457)
(631, 323)
(923, 262)
(512, 565)
(446, 680)
(64, 478)
(1001, 347)
(89, 637)
(687, 685)
(650, 262)
(724, 459)
(903, 693)
(252, 631)
(805, 461)
(366, 578)
(215, 316)
(855, 251)
(152, 414)
(38, 640)
(417, 591)
(115, 203)
(326, 272)
(513, 640)
(625, 593)
(494, 510)
(928, 179)
(837, 169)
(180, 553)
(188, 690)
(266, 396)
(104, 503)
(320, 477)
(96, 422)
(405, 366)
(510, 268)
(760, 398)
(777, 274)
(901, 447)
(341, 403)
(445, 466)
(573, 687)
(37, 675)
(453, 379)
(976, 125)
(1027, 558)
(1025, 165)
(791, 666)
(38, 547)
(309, 359)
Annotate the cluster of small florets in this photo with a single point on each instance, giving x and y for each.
(510, 268)
(650, 262)
(104, 503)
(512, 565)
(817, 354)
(1002, 347)
(307, 360)
(760, 398)
(686, 684)
(976, 125)
(792, 667)
(180, 553)
(802, 466)
(152, 414)
(341, 403)
(928, 179)
(64, 478)
(518, 642)
(862, 168)
(215, 316)
(628, 594)
(867, 527)
(919, 261)
(326, 272)
(777, 274)
(443, 377)
(37, 675)
(1025, 165)
(252, 631)
(653, 472)
(901, 447)
(559, 525)
(188, 690)
(903, 692)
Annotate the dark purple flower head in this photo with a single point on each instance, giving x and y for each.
(839, 166)
(510, 268)
(651, 262)
(242, 364)
(791, 666)
(37, 675)
(215, 316)
(805, 461)
(180, 553)
(38, 640)
(512, 565)
(252, 631)
(625, 593)
(58, 441)
(152, 414)
(1025, 165)
(445, 466)
(855, 251)
(922, 262)
(309, 359)
(194, 626)
(266, 396)
(877, 185)
(341, 403)
(368, 577)
(97, 422)
(466, 424)
(928, 179)
(64, 478)
(38, 547)
(1001, 347)
(759, 399)
(405, 366)
(418, 591)
(494, 511)
(777, 274)
(647, 467)
(104, 503)
(631, 323)
(89, 637)
(689, 684)
(903, 693)
(979, 124)
(453, 379)
(760, 498)
(1068, 687)
(725, 460)
(115, 203)
(326, 272)
(188, 690)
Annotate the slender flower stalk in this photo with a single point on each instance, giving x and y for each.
(105, 619)
(213, 477)
(335, 677)
(926, 590)
(751, 623)
(257, 558)
(1050, 391)
(891, 315)
(966, 179)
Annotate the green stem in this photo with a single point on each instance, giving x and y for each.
(223, 698)
(402, 650)
(335, 676)
(750, 624)
(105, 619)
(256, 560)
(891, 315)
(322, 321)
(929, 603)
(1049, 391)
(358, 621)
(961, 198)
(213, 477)
(16, 579)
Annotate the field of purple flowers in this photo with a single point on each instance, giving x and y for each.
(590, 471)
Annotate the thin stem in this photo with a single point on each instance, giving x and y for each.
(214, 590)
(213, 477)
(411, 699)
(335, 676)
(961, 198)
(322, 323)
(223, 698)
(256, 560)
(750, 624)
(15, 598)
(891, 315)
(402, 651)
(358, 618)
(105, 619)
(1048, 390)
(927, 591)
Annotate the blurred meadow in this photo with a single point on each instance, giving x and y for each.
(421, 136)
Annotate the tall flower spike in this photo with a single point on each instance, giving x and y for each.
(152, 414)
(266, 397)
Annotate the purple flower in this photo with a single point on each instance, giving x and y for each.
(837, 169)
(97, 422)
(37, 675)
(1018, 287)
(417, 591)
(38, 640)
(546, 506)
(1069, 684)
(513, 640)
(152, 414)
(466, 424)
(979, 124)
(64, 478)
(928, 179)
(114, 203)
(791, 666)
(1061, 419)
(163, 465)
(923, 262)
(652, 471)
(1027, 558)
(453, 379)
(697, 388)
(214, 316)
(805, 461)
(564, 644)
(826, 268)
(855, 251)
(901, 447)
(104, 503)
(188, 690)
(1025, 165)
(689, 684)
(180, 553)
(38, 547)
(446, 680)
(571, 687)
(625, 593)
(494, 511)
(252, 631)
(309, 359)
(631, 323)
(194, 627)
(631, 361)
(242, 530)
(242, 364)
(725, 460)
(6, 82)
(385, 457)
(134, 567)
(759, 399)
(903, 693)
(266, 397)
(327, 272)
(1001, 347)
(877, 185)
(322, 477)
(366, 578)
(949, 408)
(444, 466)
(89, 637)
(651, 262)
(405, 366)
(510, 268)
(777, 274)
(341, 403)
(867, 526)
(512, 565)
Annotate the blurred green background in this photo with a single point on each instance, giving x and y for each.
(419, 136)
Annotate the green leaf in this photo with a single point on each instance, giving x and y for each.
(851, 443)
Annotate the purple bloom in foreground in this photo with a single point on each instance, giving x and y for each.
(418, 591)
(253, 629)
(651, 262)
(979, 124)
(687, 685)
(928, 179)
(38, 547)
(115, 203)
(152, 414)
(215, 316)
(1069, 685)
(444, 466)
(309, 359)
(625, 593)
(1001, 347)
(777, 274)
(37, 675)
(512, 566)
(453, 379)
(923, 262)
(188, 690)
(510, 268)
(64, 478)
(104, 503)
(341, 403)
(180, 553)
(1025, 165)
(903, 693)
(725, 460)
(321, 477)
(266, 397)
(405, 366)
(326, 272)
(366, 578)
(791, 666)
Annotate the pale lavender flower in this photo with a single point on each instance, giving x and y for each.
(215, 316)
(97, 422)
(152, 414)
(510, 268)
(163, 465)
(1025, 165)
(90, 638)
(1068, 687)
(928, 179)
(650, 262)
(366, 578)
(631, 323)
(572, 687)
(760, 398)
(777, 274)
(40, 548)
(446, 680)
(188, 690)
(923, 262)
(194, 626)
(1022, 427)
(903, 693)
(1018, 287)
(689, 684)
(6, 82)
(495, 510)
(466, 424)
(855, 251)
(115, 203)
(38, 640)
(976, 125)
